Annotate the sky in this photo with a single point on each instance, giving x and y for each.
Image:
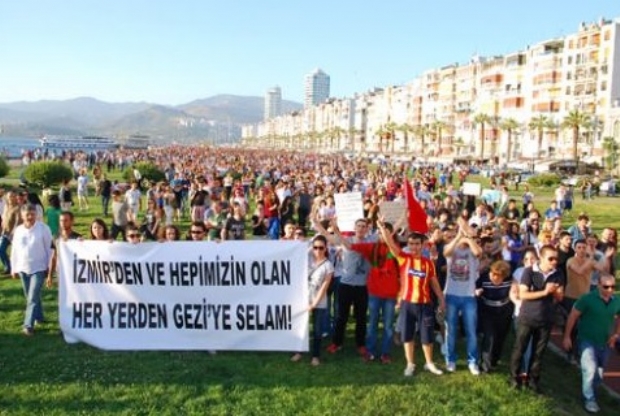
(174, 51)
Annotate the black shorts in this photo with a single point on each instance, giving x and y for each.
(417, 317)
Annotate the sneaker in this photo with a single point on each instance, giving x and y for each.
(315, 362)
(409, 370)
(368, 357)
(363, 351)
(591, 406)
(296, 357)
(386, 359)
(432, 368)
(28, 331)
(473, 369)
(333, 348)
(451, 367)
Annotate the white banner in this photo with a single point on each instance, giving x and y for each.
(236, 295)
(349, 208)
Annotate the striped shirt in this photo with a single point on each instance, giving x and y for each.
(416, 276)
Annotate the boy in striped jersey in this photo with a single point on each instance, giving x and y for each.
(418, 278)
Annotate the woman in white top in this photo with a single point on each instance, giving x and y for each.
(320, 273)
(30, 257)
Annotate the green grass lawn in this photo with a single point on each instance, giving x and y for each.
(44, 375)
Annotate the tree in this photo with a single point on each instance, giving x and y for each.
(438, 127)
(390, 129)
(539, 124)
(421, 131)
(405, 129)
(610, 148)
(149, 171)
(338, 132)
(4, 168)
(352, 132)
(574, 121)
(509, 125)
(46, 174)
(381, 132)
(481, 120)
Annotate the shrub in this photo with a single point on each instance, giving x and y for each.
(46, 174)
(149, 171)
(545, 180)
(4, 167)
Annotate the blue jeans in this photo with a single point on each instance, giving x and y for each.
(105, 203)
(468, 307)
(592, 360)
(386, 308)
(32, 284)
(329, 319)
(527, 355)
(5, 242)
(317, 319)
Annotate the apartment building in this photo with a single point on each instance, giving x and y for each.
(434, 115)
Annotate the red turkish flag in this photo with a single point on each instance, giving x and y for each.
(416, 216)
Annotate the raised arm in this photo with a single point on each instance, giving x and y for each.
(388, 238)
(334, 239)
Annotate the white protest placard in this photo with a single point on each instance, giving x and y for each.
(349, 208)
(471, 188)
(392, 211)
(237, 295)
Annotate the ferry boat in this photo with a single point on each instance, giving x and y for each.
(77, 143)
(135, 141)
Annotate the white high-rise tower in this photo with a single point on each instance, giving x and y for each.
(317, 88)
(273, 102)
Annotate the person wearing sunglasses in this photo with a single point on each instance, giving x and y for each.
(197, 231)
(133, 233)
(320, 274)
(539, 290)
(594, 314)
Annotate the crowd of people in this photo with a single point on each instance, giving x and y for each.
(482, 268)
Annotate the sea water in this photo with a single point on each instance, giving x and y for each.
(13, 147)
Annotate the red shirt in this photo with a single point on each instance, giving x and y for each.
(383, 281)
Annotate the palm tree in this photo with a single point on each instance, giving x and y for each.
(352, 132)
(405, 129)
(574, 121)
(610, 147)
(509, 125)
(421, 131)
(539, 124)
(338, 132)
(381, 132)
(438, 127)
(390, 129)
(481, 120)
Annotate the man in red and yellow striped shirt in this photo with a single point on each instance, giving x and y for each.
(418, 278)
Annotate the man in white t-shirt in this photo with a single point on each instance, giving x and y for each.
(133, 199)
(462, 255)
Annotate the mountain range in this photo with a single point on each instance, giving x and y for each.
(216, 119)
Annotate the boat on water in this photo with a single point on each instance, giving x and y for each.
(95, 143)
(135, 141)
